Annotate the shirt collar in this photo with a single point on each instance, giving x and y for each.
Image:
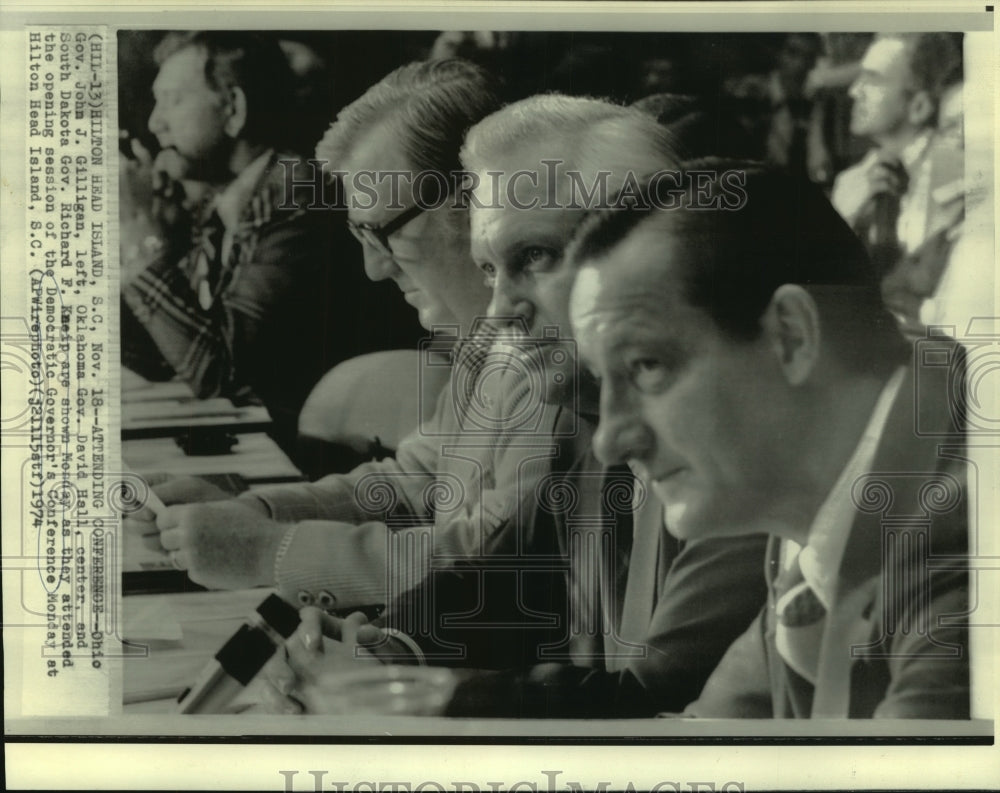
(230, 202)
(820, 559)
(914, 150)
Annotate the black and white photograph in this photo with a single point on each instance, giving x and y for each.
(505, 388)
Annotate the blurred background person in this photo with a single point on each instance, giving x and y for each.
(243, 292)
(964, 289)
(831, 146)
(777, 108)
(904, 199)
(699, 127)
(919, 288)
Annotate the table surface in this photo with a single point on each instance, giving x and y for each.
(151, 409)
(181, 633)
(255, 457)
(153, 413)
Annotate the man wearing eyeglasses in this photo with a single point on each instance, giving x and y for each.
(363, 538)
(397, 249)
(421, 245)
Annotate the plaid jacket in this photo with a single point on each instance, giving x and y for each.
(290, 301)
(204, 345)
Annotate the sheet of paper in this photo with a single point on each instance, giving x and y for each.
(149, 619)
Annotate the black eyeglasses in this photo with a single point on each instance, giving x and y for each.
(378, 235)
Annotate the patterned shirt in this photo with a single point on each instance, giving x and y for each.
(200, 320)
(267, 296)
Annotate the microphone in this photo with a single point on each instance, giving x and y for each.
(240, 658)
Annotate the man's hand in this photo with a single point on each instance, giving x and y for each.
(222, 545)
(142, 530)
(172, 196)
(158, 208)
(875, 221)
(186, 490)
(141, 524)
(322, 646)
(888, 176)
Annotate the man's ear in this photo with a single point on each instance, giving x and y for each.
(792, 327)
(238, 112)
(921, 110)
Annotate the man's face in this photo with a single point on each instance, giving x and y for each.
(882, 92)
(696, 415)
(189, 118)
(520, 252)
(430, 260)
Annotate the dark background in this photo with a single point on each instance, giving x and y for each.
(622, 66)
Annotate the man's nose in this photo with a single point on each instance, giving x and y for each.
(379, 265)
(156, 123)
(854, 89)
(507, 302)
(621, 433)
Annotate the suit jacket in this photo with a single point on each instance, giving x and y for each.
(524, 623)
(895, 642)
(363, 538)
